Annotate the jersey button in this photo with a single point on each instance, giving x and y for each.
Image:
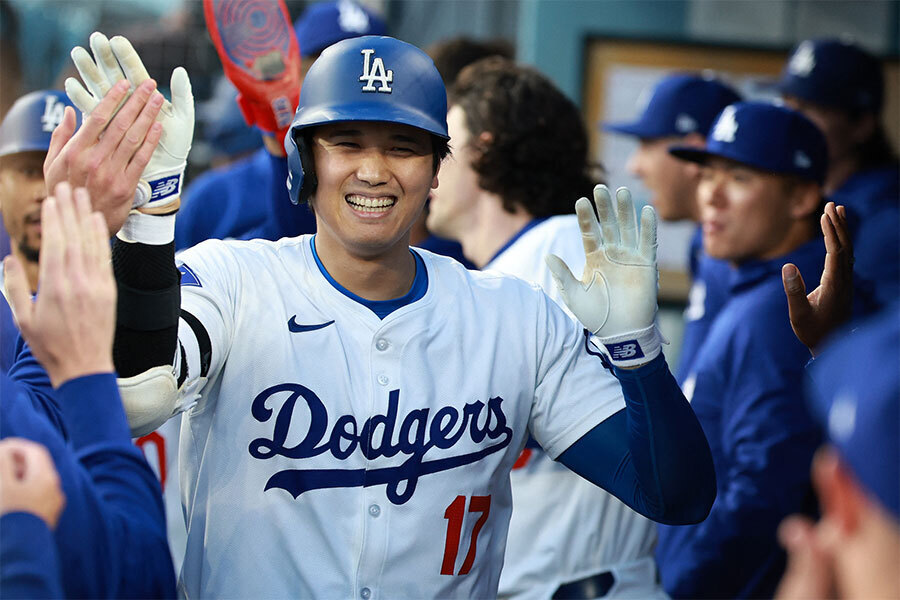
(382, 345)
(365, 593)
(383, 379)
(374, 510)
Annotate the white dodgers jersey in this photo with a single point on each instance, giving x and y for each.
(563, 527)
(334, 454)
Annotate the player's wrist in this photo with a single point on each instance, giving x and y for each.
(147, 228)
(633, 348)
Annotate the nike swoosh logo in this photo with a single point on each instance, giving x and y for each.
(296, 327)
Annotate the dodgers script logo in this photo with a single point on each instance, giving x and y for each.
(386, 435)
(375, 72)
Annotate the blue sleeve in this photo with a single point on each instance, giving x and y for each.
(652, 455)
(29, 567)
(111, 536)
(28, 372)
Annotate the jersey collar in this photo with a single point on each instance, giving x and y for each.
(381, 308)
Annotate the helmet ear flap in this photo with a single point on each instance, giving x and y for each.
(308, 166)
(301, 181)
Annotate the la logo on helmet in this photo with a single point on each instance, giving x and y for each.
(375, 72)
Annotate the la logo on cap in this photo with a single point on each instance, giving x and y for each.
(352, 18)
(54, 110)
(726, 126)
(803, 61)
(373, 70)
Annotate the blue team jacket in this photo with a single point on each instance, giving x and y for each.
(872, 198)
(709, 291)
(747, 385)
(111, 536)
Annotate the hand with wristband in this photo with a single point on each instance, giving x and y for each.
(616, 297)
(159, 188)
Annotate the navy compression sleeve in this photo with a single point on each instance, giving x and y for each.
(652, 455)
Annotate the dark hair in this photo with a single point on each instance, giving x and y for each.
(452, 55)
(536, 154)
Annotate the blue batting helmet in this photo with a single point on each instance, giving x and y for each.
(31, 120)
(368, 78)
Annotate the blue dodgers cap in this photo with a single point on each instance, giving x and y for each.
(326, 23)
(834, 73)
(766, 137)
(31, 120)
(678, 105)
(855, 396)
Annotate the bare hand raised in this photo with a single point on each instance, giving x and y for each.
(817, 314)
(70, 324)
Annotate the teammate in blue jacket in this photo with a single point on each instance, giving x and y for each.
(110, 538)
(840, 87)
(760, 203)
(680, 111)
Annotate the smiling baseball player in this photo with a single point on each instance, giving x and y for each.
(354, 407)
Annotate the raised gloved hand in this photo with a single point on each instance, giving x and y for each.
(259, 53)
(159, 189)
(616, 297)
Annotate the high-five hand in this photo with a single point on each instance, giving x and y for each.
(159, 188)
(616, 296)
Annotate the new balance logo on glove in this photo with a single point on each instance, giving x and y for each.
(165, 187)
(625, 350)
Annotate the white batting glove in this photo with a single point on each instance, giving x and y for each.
(616, 297)
(159, 189)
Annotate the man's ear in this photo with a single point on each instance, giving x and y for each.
(840, 495)
(434, 181)
(806, 199)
